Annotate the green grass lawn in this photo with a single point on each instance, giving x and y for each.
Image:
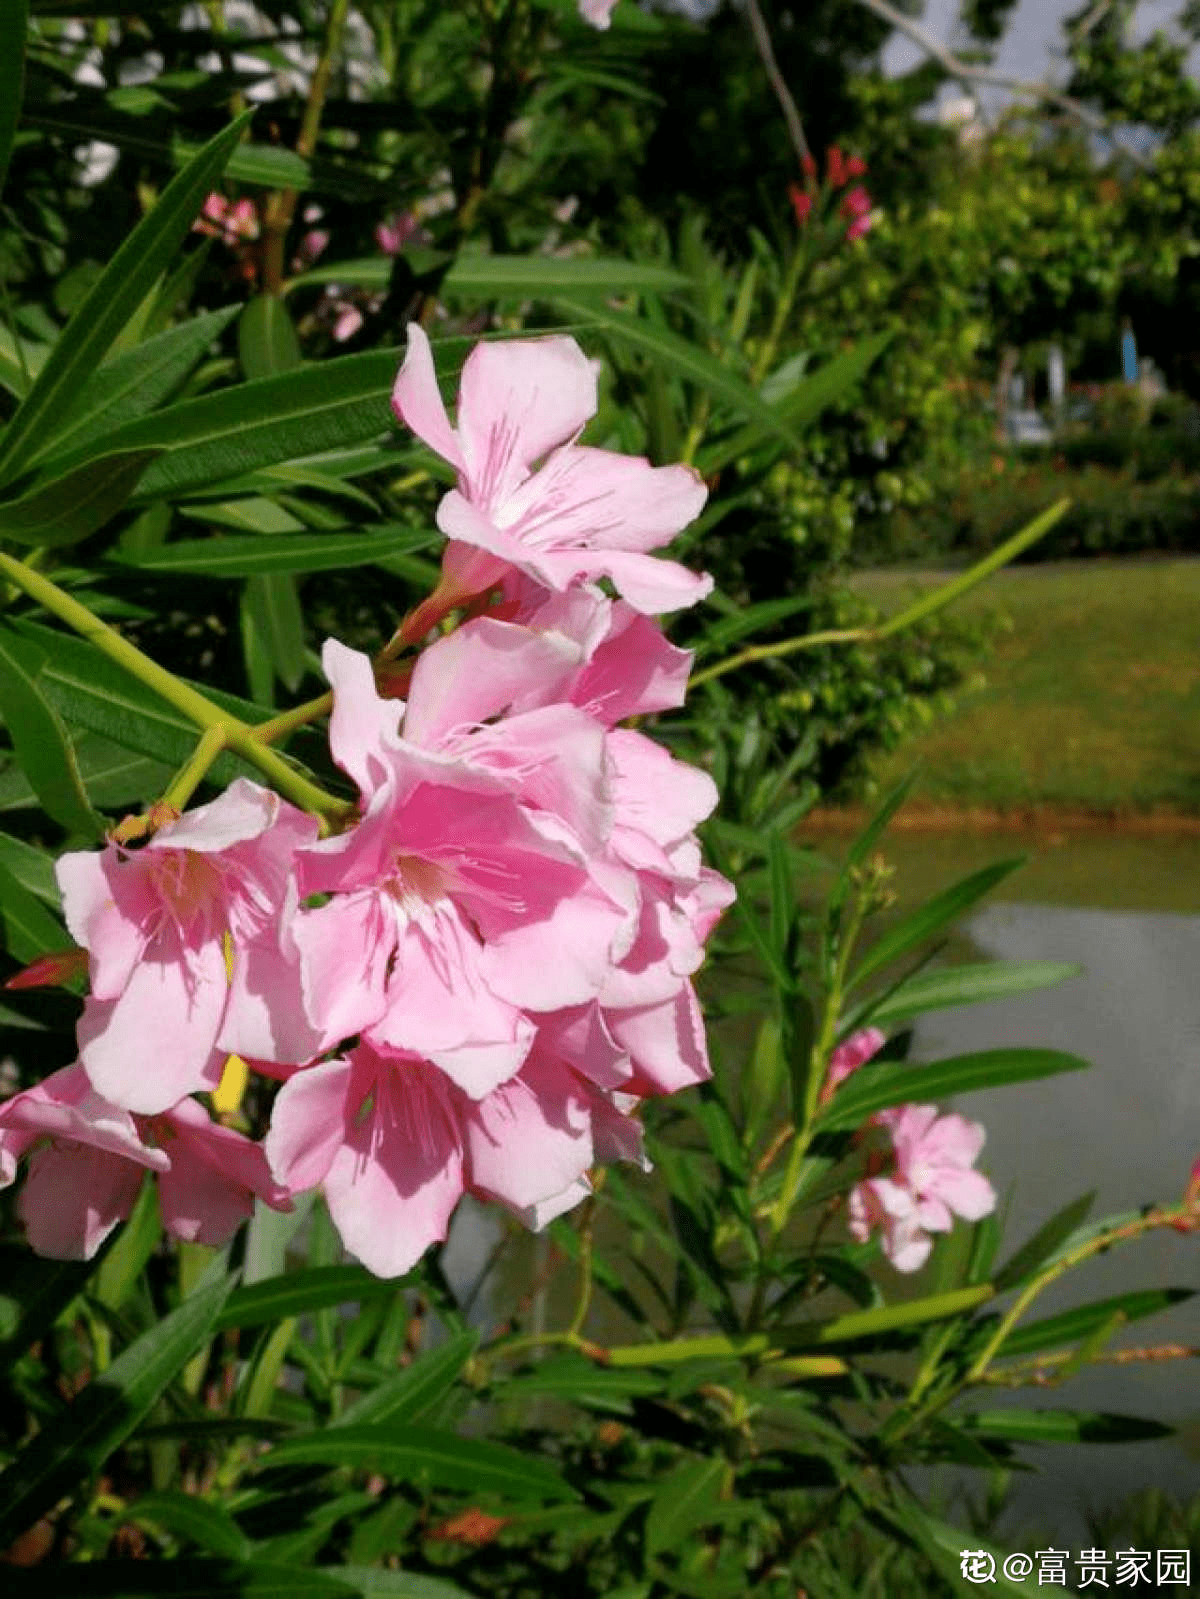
(1092, 696)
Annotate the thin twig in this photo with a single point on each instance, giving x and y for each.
(791, 115)
(966, 73)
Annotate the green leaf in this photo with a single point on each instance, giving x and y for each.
(421, 1453)
(684, 1501)
(136, 381)
(867, 840)
(571, 1377)
(875, 1088)
(89, 690)
(944, 1543)
(197, 1520)
(683, 357)
(500, 276)
(263, 1377)
(273, 607)
(135, 1242)
(297, 1293)
(1062, 1426)
(34, 1294)
(1037, 1250)
(373, 1583)
(99, 1419)
(43, 747)
(179, 1579)
(412, 1394)
(66, 509)
(750, 619)
(112, 776)
(886, 1318)
(14, 23)
(930, 918)
(960, 985)
(33, 868)
(118, 292)
(29, 928)
(1069, 1326)
(283, 552)
(221, 436)
(804, 401)
(267, 342)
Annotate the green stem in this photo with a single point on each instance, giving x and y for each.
(288, 721)
(193, 772)
(787, 646)
(237, 735)
(783, 309)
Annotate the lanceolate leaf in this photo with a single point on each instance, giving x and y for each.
(121, 288)
(77, 504)
(286, 552)
(1037, 1250)
(684, 1500)
(14, 20)
(420, 1453)
(197, 1520)
(100, 1418)
(29, 928)
(684, 358)
(930, 918)
(133, 383)
(414, 1393)
(1062, 1426)
(874, 1088)
(221, 436)
(32, 867)
(267, 342)
(1069, 1326)
(274, 608)
(297, 1293)
(43, 747)
(960, 985)
(498, 275)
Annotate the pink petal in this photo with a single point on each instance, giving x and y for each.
(578, 1037)
(530, 1139)
(417, 400)
(480, 671)
(666, 1043)
(362, 727)
(104, 905)
(518, 399)
(308, 1124)
(215, 1174)
(155, 1044)
(244, 811)
(73, 1198)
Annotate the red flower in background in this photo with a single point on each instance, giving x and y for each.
(802, 203)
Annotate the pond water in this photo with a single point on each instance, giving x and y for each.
(1128, 911)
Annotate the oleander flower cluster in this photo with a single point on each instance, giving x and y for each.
(471, 987)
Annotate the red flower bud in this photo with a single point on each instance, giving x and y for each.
(835, 167)
(49, 971)
(856, 167)
(801, 203)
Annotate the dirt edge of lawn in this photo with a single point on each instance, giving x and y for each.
(1029, 820)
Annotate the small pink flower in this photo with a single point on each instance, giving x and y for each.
(160, 924)
(89, 1158)
(597, 12)
(857, 229)
(856, 167)
(802, 203)
(528, 496)
(931, 1182)
(855, 204)
(858, 1049)
(835, 167)
(347, 323)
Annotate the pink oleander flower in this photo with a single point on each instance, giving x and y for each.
(930, 1183)
(597, 12)
(233, 224)
(858, 1049)
(856, 208)
(394, 1144)
(855, 167)
(89, 1158)
(802, 203)
(464, 885)
(529, 497)
(835, 167)
(171, 929)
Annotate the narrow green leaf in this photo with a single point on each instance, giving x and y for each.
(119, 290)
(874, 1088)
(1062, 1426)
(574, 1378)
(943, 1543)
(298, 1293)
(750, 619)
(284, 552)
(500, 276)
(267, 342)
(931, 917)
(72, 507)
(14, 23)
(422, 1453)
(112, 776)
(683, 357)
(274, 606)
(961, 985)
(371, 1582)
(135, 1242)
(264, 1376)
(204, 1578)
(136, 381)
(412, 1394)
(29, 928)
(887, 1318)
(1038, 1249)
(1069, 1326)
(33, 868)
(89, 690)
(683, 1502)
(802, 403)
(197, 1520)
(43, 747)
(103, 1415)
